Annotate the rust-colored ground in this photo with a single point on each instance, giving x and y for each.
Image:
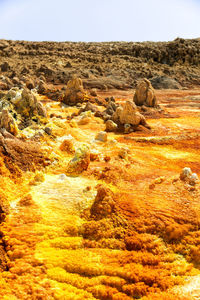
(142, 243)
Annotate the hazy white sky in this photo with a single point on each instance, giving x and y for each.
(99, 20)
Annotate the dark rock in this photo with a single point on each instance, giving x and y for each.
(4, 67)
(48, 130)
(30, 84)
(164, 82)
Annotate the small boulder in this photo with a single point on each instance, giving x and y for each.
(41, 110)
(30, 84)
(101, 136)
(16, 80)
(89, 107)
(127, 128)
(111, 107)
(93, 92)
(26, 200)
(67, 146)
(3, 86)
(123, 152)
(94, 155)
(42, 88)
(159, 180)
(189, 177)
(62, 177)
(185, 173)
(194, 179)
(164, 82)
(48, 130)
(84, 120)
(5, 67)
(80, 161)
(111, 126)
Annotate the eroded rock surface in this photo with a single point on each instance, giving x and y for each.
(25, 154)
(80, 161)
(144, 94)
(129, 116)
(8, 122)
(74, 92)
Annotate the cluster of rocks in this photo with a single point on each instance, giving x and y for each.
(124, 118)
(127, 117)
(187, 176)
(19, 108)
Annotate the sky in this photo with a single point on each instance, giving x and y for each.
(99, 20)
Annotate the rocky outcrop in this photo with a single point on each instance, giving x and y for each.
(24, 154)
(8, 122)
(74, 92)
(26, 103)
(103, 205)
(128, 114)
(80, 161)
(144, 94)
(19, 108)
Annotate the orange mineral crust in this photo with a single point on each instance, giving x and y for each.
(90, 213)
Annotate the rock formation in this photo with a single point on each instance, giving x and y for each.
(144, 94)
(8, 122)
(25, 154)
(20, 108)
(74, 92)
(80, 161)
(111, 126)
(189, 177)
(26, 103)
(56, 63)
(104, 204)
(128, 114)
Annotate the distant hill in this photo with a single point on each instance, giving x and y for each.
(103, 65)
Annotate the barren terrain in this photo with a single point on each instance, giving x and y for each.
(126, 226)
